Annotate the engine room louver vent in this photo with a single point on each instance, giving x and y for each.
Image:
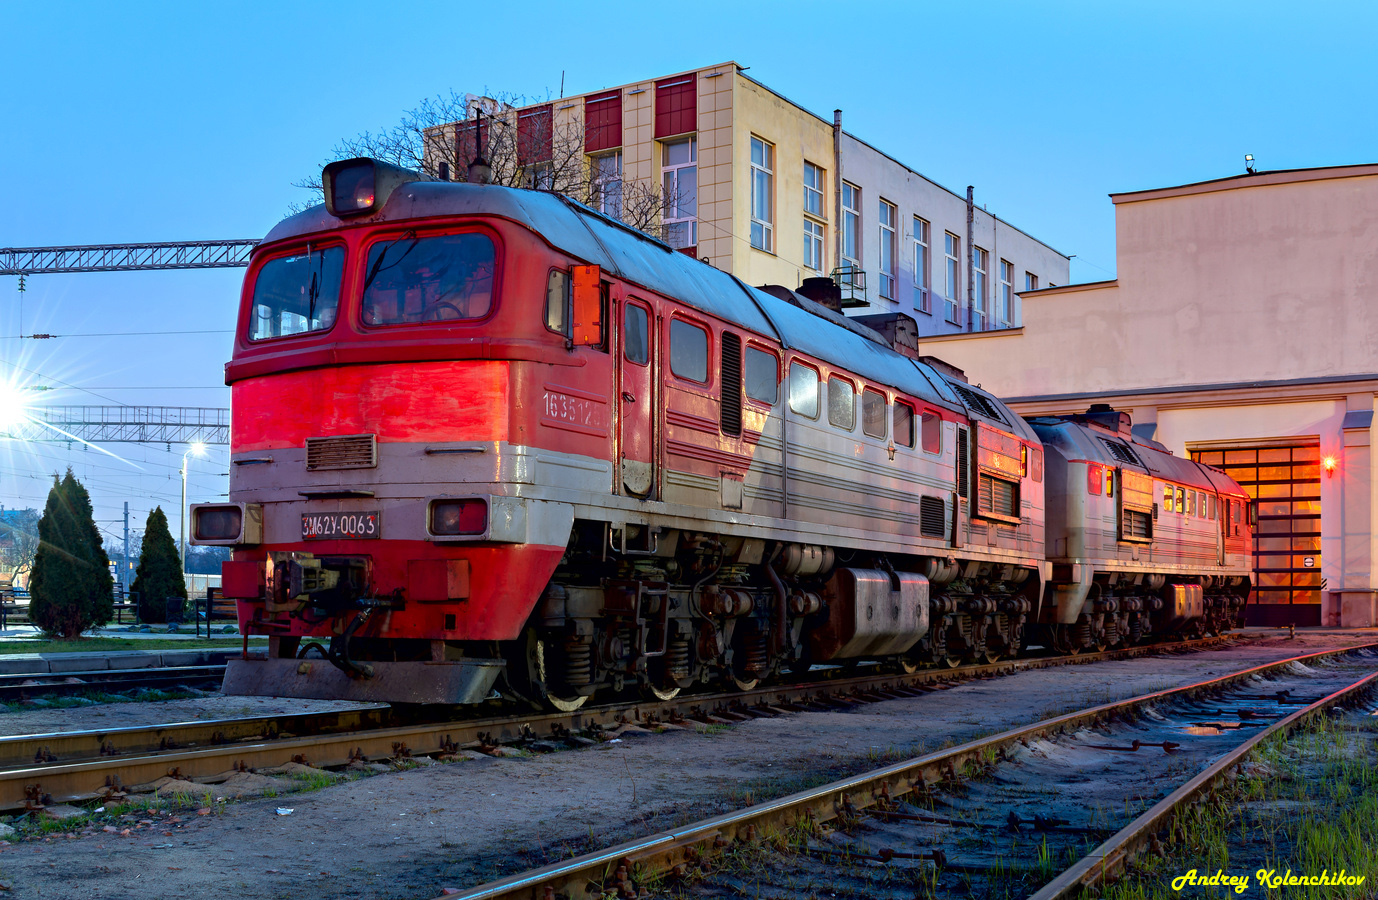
(998, 497)
(963, 485)
(1138, 526)
(976, 402)
(731, 383)
(1121, 452)
(932, 517)
(350, 451)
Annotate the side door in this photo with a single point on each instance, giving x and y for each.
(636, 389)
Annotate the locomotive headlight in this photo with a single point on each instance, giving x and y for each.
(459, 517)
(354, 187)
(226, 523)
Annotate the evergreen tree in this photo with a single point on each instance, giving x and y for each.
(159, 576)
(71, 589)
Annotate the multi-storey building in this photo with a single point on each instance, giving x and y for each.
(732, 172)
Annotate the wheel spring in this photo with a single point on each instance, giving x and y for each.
(578, 663)
(1136, 627)
(1082, 636)
(757, 654)
(677, 658)
(1112, 629)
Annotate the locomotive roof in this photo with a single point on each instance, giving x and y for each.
(639, 258)
(1087, 441)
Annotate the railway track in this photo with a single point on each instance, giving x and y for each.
(23, 688)
(978, 818)
(99, 764)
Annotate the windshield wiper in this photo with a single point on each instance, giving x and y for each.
(377, 266)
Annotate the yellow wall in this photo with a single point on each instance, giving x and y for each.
(797, 135)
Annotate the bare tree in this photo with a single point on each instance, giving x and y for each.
(18, 540)
(524, 145)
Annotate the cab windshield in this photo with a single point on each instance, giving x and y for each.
(297, 294)
(411, 280)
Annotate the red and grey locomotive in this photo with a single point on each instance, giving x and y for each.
(489, 439)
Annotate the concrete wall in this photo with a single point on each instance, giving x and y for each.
(1244, 311)
(882, 177)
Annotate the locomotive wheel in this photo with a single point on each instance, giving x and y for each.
(564, 700)
(653, 692)
(991, 657)
(909, 666)
(952, 661)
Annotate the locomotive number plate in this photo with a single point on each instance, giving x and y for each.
(339, 525)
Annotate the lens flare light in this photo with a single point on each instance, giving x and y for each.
(14, 406)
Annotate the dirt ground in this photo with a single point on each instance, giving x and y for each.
(407, 835)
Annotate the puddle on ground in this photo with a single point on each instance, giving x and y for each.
(1203, 729)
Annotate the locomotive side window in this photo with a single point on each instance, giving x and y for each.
(634, 341)
(297, 294)
(873, 413)
(442, 278)
(932, 428)
(1181, 500)
(1213, 512)
(557, 296)
(904, 425)
(1167, 498)
(841, 403)
(803, 390)
(689, 351)
(762, 375)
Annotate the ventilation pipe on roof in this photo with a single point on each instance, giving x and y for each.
(837, 193)
(971, 255)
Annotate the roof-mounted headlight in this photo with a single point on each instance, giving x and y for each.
(357, 187)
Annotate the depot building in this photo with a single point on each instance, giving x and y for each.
(1242, 330)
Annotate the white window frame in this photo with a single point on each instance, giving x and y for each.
(815, 236)
(921, 264)
(762, 194)
(851, 224)
(888, 215)
(980, 282)
(952, 285)
(670, 178)
(813, 191)
(1006, 304)
(607, 186)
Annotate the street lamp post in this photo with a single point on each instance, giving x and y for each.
(196, 449)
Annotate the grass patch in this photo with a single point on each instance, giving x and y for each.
(106, 644)
(1304, 803)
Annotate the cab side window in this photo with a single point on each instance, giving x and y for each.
(635, 344)
(873, 413)
(904, 425)
(557, 300)
(841, 403)
(932, 433)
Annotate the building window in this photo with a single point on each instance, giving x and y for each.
(979, 279)
(444, 171)
(813, 245)
(952, 250)
(1030, 281)
(888, 217)
(1006, 310)
(851, 225)
(607, 184)
(813, 190)
(921, 271)
(680, 179)
(762, 195)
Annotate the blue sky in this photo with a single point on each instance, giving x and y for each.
(175, 121)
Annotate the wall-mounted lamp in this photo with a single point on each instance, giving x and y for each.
(1329, 465)
(1249, 163)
